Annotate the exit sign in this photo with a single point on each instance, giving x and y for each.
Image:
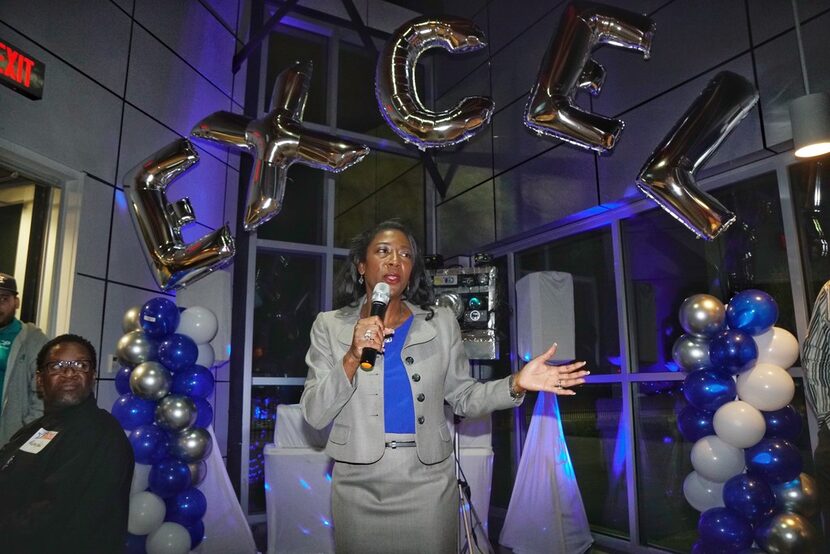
(20, 71)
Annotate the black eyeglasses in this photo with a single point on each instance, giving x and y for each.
(74, 366)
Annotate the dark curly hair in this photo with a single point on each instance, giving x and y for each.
(61, 339)
(348, 291)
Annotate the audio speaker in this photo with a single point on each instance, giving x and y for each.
(545, 313)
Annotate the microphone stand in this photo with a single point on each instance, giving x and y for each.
(467, 512)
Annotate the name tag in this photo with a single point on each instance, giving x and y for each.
(38, 441)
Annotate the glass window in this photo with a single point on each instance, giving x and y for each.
(666, 263)
(289, 45)
(596, 436)
(810, 183)
(588, 257)
(264, 402)
(298, 220)
(663, 462)
(286, 301)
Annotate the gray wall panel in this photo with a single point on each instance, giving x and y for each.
(190, 30)
(96, 217)
(771, 17)
(92, 35)
(162, 85)
(689, 40)
(75, 123)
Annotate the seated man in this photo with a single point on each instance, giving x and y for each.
(65, 477)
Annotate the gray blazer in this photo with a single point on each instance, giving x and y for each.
(438, 370)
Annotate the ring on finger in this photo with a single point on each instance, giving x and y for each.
(368, 334)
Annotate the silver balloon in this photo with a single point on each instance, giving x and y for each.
(150, 381)
(277, 141)
(135, 348)
(668, 177)
(397, 94)
(191, 445)
(787, 534)
(691, 352)
(568, 68)
(131, 320)
(159, 223)
(198, 472)
(799, 496)
(175, 412)
(702, 315)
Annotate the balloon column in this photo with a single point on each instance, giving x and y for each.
(747, 479)
(164, 384)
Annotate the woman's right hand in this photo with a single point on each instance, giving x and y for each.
(368, 333)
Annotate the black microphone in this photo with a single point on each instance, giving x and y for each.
(380, 299)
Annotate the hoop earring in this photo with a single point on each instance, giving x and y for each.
(360, 279)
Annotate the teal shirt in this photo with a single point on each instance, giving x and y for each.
(7, 336)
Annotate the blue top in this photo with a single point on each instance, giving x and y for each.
(398, 408)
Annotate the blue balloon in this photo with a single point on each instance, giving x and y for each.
(694, 424)
(753, 311)
(197, 533)
(733, 351)
(186, 508)
(159, 317)
(132, 411)
(774, 460)
(150, 443)
(708, 389)
(749, 496)
(169, 477)
(784, 423)
(724, 530)
(135, 544)
(122, 380)
(178, 352)
(204, 412)
(196, 381)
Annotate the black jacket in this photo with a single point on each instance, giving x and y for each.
(73, 495)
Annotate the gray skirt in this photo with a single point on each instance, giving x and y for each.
(395, 505)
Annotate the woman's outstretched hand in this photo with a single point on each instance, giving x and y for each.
(538, 375)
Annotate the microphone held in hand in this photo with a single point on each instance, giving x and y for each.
(380, 299)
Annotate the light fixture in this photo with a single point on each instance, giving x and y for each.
(809, 114)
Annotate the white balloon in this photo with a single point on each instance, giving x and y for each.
(170, 538)
(716, 460)
(739, 424)
(147, 512)
(766, 387)
(198, 323)
(141, 475)
(206, 356)
(777, 347)
(701, 493)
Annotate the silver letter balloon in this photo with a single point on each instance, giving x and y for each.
(277, 141)
(397, 94)
(568, 67)
(668, 177)
(159, 223)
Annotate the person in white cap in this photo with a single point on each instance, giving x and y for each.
(19, 344)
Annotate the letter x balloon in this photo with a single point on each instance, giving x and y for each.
(277, 141)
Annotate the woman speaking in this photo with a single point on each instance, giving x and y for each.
(393, 483)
